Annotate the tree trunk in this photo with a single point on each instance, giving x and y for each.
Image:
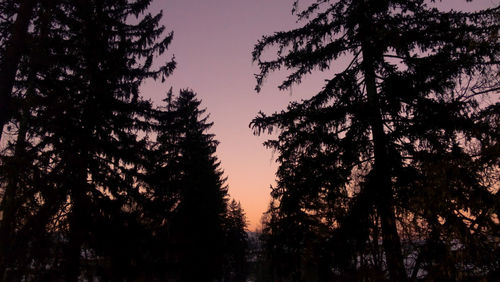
(76, 223)
(382, 182)
(73, 252)
(9, 204)
(8, 68)
(384, 198)
(76, 158)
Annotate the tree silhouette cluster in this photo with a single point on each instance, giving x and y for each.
(391, 170)
(95, 181)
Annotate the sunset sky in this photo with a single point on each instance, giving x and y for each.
(213, 40)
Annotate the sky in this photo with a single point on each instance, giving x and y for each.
(213, 41)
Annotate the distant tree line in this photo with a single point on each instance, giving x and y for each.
(391, 171)
(95, 181)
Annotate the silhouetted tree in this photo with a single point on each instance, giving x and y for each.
(26, 169)
(85, 192)
(236, 243)
(195, 228)
(85, 116)
(362, 155)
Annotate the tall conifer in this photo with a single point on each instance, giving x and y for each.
(87, 115)
(195, 229)
(363, 152)
(236, 243)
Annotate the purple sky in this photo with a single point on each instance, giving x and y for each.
(213, 40)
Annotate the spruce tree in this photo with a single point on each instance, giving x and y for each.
(195, 227)
(236, 243)
(363, 153)
(86, 117)
(102, 114)
(26, 161)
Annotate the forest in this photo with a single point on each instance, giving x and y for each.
(391, 172)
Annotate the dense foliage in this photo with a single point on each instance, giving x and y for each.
(391, 170)
(95, 181)
(188, 158)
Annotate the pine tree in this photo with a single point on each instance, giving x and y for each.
(26, 205)
(195, 226)
(85, 119)
(236, 243)
(363, 153)
(102, 115)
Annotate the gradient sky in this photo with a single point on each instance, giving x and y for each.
(213, 40)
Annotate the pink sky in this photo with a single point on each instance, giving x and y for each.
(213, 40)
